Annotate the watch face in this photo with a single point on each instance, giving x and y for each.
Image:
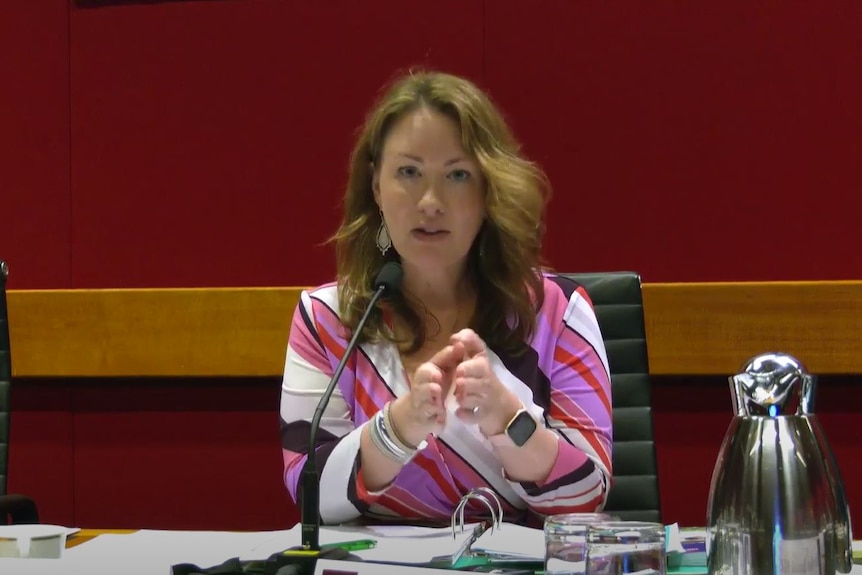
(522, 428)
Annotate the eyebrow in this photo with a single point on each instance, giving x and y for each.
(421, 161)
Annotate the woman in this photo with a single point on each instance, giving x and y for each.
(483, 370)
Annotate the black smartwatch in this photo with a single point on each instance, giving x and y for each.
(519, 430)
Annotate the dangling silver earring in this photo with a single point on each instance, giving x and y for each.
(384, 242)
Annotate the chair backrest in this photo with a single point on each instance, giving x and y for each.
(5, 378)
(618, 303)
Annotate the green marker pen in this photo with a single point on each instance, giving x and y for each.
(357, 545)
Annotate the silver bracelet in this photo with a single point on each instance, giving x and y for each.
(374, 434)
(387, 435)
(392, 432)
(381, 440)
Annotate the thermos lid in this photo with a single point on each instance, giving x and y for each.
(773, 384)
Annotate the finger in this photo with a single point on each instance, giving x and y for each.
(428, 407)
(476, 367)
(434, 393)
(435, 412)
(448, 357)
(471, 400)
(473, 344)
(467, 415)
(460, 388)
(470, 385)
(428, 402)
(458, 351)
(463, 334)
(427, 373)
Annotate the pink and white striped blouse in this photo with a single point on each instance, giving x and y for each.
(562, 378)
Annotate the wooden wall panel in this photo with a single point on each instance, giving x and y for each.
(697, 328)
(139, 333)
(691, 329)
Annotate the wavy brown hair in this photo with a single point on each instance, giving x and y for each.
(505, 258)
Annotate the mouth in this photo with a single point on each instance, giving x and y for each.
(430, 231)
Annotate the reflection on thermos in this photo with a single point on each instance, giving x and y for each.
(777, 503)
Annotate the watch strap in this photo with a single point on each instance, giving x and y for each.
(503, 439)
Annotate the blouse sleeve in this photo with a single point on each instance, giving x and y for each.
(579, 411)
(314, 349)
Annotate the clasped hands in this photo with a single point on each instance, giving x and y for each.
(463, 369)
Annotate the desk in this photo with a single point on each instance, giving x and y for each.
(85, 535)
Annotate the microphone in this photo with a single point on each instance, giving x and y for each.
(388, 280)
(303, 560)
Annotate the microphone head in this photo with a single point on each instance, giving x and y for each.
(389, 277)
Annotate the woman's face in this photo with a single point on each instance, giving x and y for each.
(430, 191)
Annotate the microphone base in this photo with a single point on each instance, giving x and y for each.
(306, 560)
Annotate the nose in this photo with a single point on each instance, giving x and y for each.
(431, 203)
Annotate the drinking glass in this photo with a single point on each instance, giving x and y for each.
(619, 547)
(565, 539)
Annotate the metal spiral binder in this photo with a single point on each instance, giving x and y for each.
(485, 495)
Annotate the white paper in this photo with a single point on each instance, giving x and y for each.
(412, 530)
(673, 539)
(35, 566)
(513, 540)
(155, 551)
(328, 566)
(402, 543)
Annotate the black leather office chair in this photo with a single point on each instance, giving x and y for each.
(619, 307)
(13, 508)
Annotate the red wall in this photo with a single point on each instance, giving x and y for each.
(205, 454)
(205, 144)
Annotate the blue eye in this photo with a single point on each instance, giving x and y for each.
(408, 171)
(460, 175)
